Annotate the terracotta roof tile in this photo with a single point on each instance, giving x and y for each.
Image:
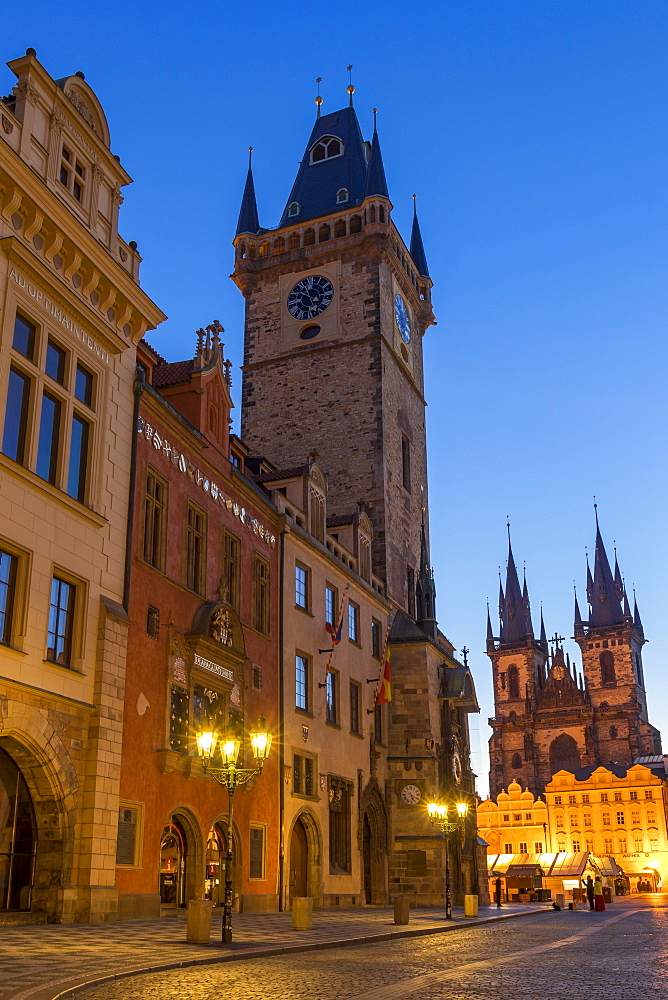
(172, 374)
(271, 477)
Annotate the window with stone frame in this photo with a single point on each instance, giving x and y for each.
(649, 794)
(61, 626)
(153, 622)
(154, 520)
(524, 847)
(317, 515)
(508, 849)
(302, 583)
(607, 845)
(304, 770)
(354, 707)
(73, 173)
(622, 845)
(331, 605)
(178, 719)
(375, 638)
(353, 621)
(232, 567)
(339, 826)
(538, 847)
(261, 595)
(195, 554)
(8, 572)
(332, 696)
(302, 682)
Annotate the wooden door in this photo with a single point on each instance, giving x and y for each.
(298, 861)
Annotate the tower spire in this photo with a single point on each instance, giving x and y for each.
(543, 635)
(248, 217)
(490, 633)
(516, 613)
(376, 183)
(417, 246)
(636, 616)
(578, 627)
(350, 88)
(425, 590)
(605, 604)
(318, 100)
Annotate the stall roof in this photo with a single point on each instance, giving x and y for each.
(520, 871)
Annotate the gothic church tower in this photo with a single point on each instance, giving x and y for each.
(336, 308)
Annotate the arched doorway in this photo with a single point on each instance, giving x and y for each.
(173, 864)
(216, 851)
(298, 882)
(374, 847)
(18, 837)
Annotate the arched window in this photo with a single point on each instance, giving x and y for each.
(279, 245)
(251, 250)
(339, 228)
(607, 661)
(372, 213)
(517, 760)
(323, 234)
(513, 681)
(355, 224)
(342, 195)
(242, 249)
(294, 208)
(264, 249)
(564, 754)
(326, 148)
(18, 837)
(381, 214)
(293, 241)
(309, 237)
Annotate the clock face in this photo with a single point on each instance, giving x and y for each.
(411, 794)
(403, 321)
(310, 297)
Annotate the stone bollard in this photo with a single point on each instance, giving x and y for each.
(302, 913)
(560, 899)
(470, 906)
(199, 921)
(402, 906)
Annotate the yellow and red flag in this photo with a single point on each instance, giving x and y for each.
(384, 689)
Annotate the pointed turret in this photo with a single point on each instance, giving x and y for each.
(490, 634)
(619, 583)
(637, 623)
(417, 246)
(590, 584)
(515, 615)
(543, 634)
(578, 627)
(605, 605)
(248, 217)
(425, 590)
(627, 609)
(375, 185)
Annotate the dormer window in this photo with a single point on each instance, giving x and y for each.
(294, 208)
(342, 195)
(326, 148)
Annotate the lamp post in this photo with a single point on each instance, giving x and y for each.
(441, 818)
(227, 773)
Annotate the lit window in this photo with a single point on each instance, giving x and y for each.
(649, 794)
(330, 696)
(330, 605)
(607, 845)
(620, 819)
(353, 621)
(327, 148)
(302, 682)
(303, 774)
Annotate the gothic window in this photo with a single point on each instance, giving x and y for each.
(355, 224)
(195, 548)
(155, 520)
(294, 209)
(372, 213)
(342, 195)
(339, 228)
(513, 681)
(264, 249)
(381, 214)
(517, 760)
(564, 754)
(607, 661)
(365, 559)
(261, 594)
(279, 245)
(323, 234)
(326, 148)
(309, 237)
(293, 241)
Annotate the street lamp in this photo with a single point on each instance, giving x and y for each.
(227, 773)
(442, 819)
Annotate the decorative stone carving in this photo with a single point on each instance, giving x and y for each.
(178, 655)
(7, 126)
(80, 104)
(26, 91)
(221, 626)
(57, 121)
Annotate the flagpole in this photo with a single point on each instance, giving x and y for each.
(338, 626)
(382, 664)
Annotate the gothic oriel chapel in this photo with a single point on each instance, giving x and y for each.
(550, 717)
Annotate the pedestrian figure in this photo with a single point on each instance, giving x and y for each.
(497, 892)
(599, 902)
(590, 891)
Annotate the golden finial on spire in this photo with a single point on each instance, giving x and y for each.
(350, 88)
(318, 99)
(250, 157)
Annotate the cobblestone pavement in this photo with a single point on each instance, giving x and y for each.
(561, 956)
(40, 962)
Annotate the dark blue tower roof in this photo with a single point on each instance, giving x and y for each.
(417, 247)
(248, 217)
(606, 608)
(375, 176)
(516, 612)
(317, 184)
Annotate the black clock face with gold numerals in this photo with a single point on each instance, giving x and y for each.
(310, 297)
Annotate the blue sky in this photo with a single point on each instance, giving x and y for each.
(534, 136)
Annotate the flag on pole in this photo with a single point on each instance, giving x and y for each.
(384, 690)
(335, 633)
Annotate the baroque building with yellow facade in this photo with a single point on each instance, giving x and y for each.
(71, 315)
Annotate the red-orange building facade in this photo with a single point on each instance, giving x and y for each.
(202, 649)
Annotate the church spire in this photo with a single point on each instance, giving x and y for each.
(248, 217)
(417, 246)
(637, 623)
(578, 627)
(425, 590)
(375, 185)
(543, 635)
(605, 605)
(490, 633)
(516, 613)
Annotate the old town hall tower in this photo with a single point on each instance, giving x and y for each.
(336, 307)
(547, 716)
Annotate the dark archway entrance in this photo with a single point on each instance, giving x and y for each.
(373, 836)
(216, 851)
(173, 864)
(564, 754)
(298, 885)
(18, 837)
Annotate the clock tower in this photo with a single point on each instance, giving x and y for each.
(336, 307)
